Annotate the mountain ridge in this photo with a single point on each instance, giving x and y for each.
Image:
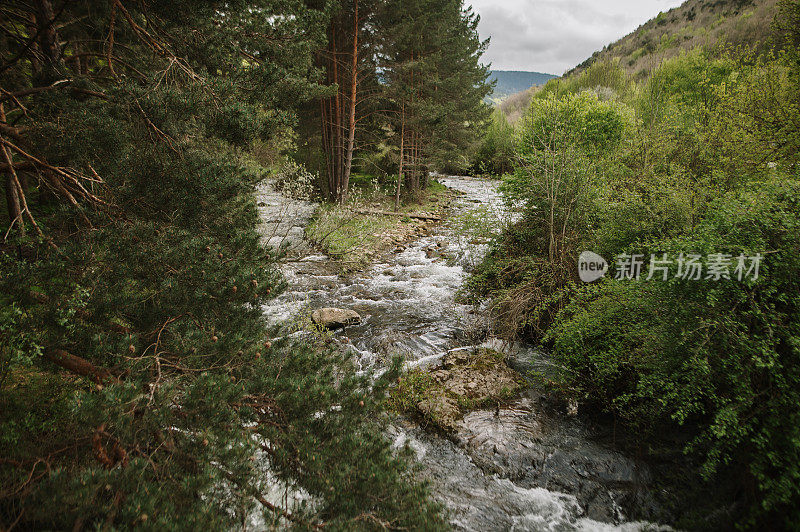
(513, 81)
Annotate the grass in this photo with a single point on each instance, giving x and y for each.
(413, 387)
(484, 358)
(347, 237)
(356, 239)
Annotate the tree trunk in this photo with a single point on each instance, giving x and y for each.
(12, 200)
(12, 192)
(326, 120)
(402, 141)
(415, 164)
(417, 159)
(337, 125)
(351, 133)
(323, 104)
(48, 40)
(34, 55)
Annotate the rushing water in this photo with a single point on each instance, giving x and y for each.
(519, 468)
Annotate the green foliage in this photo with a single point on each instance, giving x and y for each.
(700, 157)
(607, 78)
(198, 342)
(756, 129)
(16, 350)
(719, 356)
(495, 155)
(563, 146)
(413, 387)
(682, 91)
(582, 120)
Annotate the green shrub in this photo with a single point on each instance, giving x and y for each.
(495, 154)
(603, 74)
(723, 357)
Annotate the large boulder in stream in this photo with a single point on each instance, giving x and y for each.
(335, 318)
(464, 381)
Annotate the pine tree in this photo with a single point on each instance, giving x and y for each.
(139, 386)
(460, 85)
(430, 64)
(348, 62)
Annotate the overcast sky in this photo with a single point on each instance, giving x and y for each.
(555, 35)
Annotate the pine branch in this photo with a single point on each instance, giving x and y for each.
(80, 366)
(268, 505)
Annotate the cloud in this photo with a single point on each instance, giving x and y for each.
(555, 35)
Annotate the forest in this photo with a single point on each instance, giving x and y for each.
(144, 383)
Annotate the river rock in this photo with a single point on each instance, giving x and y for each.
(535, 449)
(464, 380)
(335, 318)
(476, 377)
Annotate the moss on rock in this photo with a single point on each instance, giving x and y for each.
(464, 381)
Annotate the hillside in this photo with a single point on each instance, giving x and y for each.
(514, 105)
(513, 81)
(695, 23)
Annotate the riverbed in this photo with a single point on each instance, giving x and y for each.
(525, 466)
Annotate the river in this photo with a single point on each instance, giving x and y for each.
(524, 467)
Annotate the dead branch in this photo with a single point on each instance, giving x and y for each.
(11, 131)
(21, 195)
(158, 48)
(70, 179)
(34, 90)
(166, 138)
(116, 59)
(271, 507)
(117, 454)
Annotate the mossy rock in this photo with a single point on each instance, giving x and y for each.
(464, 381)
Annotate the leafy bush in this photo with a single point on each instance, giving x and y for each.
(606, 74)
(721, 356)
(495, 155)
(294, 181)
(561, 149)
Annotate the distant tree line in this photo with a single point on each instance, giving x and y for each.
(408, 78)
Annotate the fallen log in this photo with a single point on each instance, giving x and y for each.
(427, 217)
